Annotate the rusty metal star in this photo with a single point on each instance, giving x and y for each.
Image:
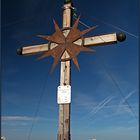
(66, 44)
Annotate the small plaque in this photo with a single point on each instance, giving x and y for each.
(64, 94)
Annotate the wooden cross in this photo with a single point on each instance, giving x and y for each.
(64, 109)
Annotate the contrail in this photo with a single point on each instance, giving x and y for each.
(100, 106)
(121, 29)
(111, 25)
(125, 101)
(95, 108)
(126, 97)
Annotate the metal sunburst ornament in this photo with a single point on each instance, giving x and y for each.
(66, 44)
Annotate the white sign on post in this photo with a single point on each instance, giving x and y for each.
(64, 94)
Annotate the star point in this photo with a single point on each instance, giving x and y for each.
(66, 44)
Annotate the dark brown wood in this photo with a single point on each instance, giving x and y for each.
(66, 43)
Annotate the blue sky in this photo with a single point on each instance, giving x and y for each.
(104, 92)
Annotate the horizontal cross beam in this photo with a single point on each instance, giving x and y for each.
(87, 41)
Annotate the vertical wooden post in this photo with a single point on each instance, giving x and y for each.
(64, 109)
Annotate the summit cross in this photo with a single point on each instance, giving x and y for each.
(65, 44)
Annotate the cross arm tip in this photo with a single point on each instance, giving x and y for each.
(121, 36)
(19, 51)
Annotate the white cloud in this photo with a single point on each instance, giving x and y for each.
(17, 118)
(14, 121)
(25, 118)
